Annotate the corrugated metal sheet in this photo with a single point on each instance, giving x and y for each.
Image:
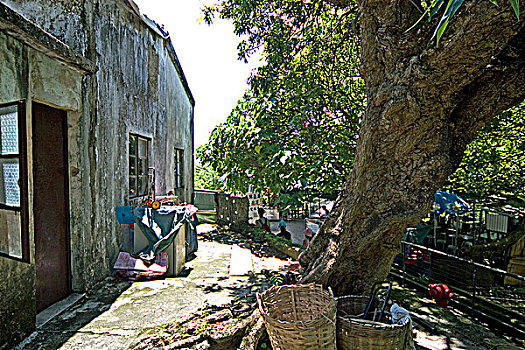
(497, 222)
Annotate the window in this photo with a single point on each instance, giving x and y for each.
(179, 166)
(138, 165)
(14, 240)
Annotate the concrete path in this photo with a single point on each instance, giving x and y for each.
(295, 227)
(116, 314)
(241, 263)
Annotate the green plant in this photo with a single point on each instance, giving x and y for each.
(450, 9)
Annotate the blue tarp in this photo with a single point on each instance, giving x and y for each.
(449, 203)
(125, 214)
(160, 227)
(417, 234)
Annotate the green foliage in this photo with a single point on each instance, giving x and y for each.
(450, 10)
(206, 178)
(495, 161)
(295, 129)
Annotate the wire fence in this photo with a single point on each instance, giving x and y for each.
(480, 286)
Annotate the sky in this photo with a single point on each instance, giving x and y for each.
(208, 55)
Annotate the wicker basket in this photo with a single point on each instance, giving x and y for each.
(354, 332)
(299, 317)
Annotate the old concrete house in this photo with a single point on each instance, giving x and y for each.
(91, 94)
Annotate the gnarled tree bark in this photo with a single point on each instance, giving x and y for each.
(425, 104)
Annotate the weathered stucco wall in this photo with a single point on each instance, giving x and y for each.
(17, 304)
(232, 209)
(136, 89)
(180, 125)
(65, 19)
(17, 280)
(13, 69)
(54, 83)
(30, 75)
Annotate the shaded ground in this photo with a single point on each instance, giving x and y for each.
(209, 309)
(257, 243)
(453, 329)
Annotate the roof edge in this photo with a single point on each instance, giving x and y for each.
(154, 26)
(27, 32)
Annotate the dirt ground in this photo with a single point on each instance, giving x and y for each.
(223, 327)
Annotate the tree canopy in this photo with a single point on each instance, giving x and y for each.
(424, 104)
(207, 178)
(296, 128)
(494, 163)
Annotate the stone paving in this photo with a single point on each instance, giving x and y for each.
(116, 314)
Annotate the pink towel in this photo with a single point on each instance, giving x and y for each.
(126, 262)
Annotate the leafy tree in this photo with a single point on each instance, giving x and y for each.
(425, 104)
(294, 132)
(494, 162)
(206, 178)
(450, 8)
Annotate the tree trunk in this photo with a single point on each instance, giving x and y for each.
(425, 104)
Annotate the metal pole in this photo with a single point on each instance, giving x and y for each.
(431, 264)
(404, 265)
(457, 234)
(474, 273)
(435, 231)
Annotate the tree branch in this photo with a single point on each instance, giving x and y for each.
(477, 34)
(501, 86)
(339, 3)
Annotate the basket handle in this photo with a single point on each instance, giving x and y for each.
(376, 287)
(293, 304)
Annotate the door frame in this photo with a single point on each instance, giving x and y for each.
(67, 208)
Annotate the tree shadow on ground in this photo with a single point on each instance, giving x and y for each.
(439, 328)
(60, 329)
(254, 241)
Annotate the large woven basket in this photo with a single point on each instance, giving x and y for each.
(353, 332)
(299, 317)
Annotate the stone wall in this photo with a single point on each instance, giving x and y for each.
(205, 200)
(138, 87)
(232, 209)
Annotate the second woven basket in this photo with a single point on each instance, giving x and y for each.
(353, 332)
(299, 317)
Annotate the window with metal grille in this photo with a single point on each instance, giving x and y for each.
(14, 237)
(179, 168)
(138, 165)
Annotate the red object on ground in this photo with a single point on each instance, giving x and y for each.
(410, 259)
(441, 294)
(294, 267)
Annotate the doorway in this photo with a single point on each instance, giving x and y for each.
(50, 205)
